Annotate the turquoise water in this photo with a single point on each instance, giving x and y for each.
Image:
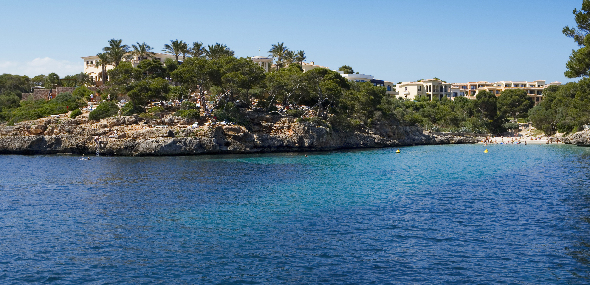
(431, 214)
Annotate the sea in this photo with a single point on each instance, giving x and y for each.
(448, 214)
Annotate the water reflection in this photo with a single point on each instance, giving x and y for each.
(580, 201)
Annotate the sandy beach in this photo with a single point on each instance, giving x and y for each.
(522, 140)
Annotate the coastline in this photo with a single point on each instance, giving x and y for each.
(170, 136)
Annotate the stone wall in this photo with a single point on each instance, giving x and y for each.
(60, 90)
(37, 94)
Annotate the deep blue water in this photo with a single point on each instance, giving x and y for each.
(431, 214)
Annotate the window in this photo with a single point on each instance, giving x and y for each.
(419, 88)
(406, 89)
(388, 87)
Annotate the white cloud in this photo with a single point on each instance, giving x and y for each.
(38, 66)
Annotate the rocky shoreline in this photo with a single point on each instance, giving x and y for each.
(581, 138)
(136, 136)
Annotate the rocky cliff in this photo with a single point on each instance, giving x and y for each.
(580, 138)
(134, 136)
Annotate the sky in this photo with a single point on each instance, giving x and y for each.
(454, 40)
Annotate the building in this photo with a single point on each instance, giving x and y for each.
(95, 72)
(533, 88)
(309, 66)
(470, 89)
(433, 89)
(264, 62)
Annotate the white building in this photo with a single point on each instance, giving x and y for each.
(433, 89)
(95, 71)
(533, 88)
(264, 62)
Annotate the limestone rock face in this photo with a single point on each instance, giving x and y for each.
(133, 136)
(580, 138)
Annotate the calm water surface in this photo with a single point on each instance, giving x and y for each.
(432, 214)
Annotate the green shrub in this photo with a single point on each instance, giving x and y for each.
(75, 113)
(35, 109)
(510, 126)
(147, 116)
(130, 109)
(230, 113)
(189, 114)
(188, 105)
(104, 110)
(82, 92)
(295, 113)
(156, 109)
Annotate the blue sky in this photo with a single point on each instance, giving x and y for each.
(457, 41)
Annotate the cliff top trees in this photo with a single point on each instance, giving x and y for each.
(218, 51)
(579, 62)
(176, 48)
(103, 61)
(116, 51)
(278, 53)
(197, 50)
(284, 57)
(142, 51)
(346, 69)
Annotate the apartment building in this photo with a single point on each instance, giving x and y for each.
(433, 89)
(533, 88)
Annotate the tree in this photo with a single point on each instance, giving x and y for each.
(287, 85)
(104, 110)
(361, 102)
(122, 77)
(52, 80)
(103, 61)
(239, 76)
(564, 108)
(300, 57)
(278, 52)
(325, 87)
(346, 69)
(195, 74)
(487, 105)
(197, 50)
(14, 84)
(149, 89)
(142, 51)
(176, 48)
(218, 51)
(116, 51)
(289, 57)
(579, 61)
(515, 102)
(38, 80)
(152, 69)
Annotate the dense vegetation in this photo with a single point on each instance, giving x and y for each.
(567, 108)
(224, 87)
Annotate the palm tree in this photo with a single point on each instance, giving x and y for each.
(278, 52)
(184, 50)
(197, 50)
(175, 47)
(116, 51)
(217, 51)
(103, 61)
(300, 56)
(142, 51)
(289, 57)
